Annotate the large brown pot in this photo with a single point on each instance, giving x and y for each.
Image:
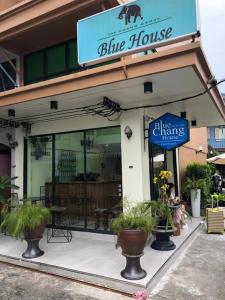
(132, 241)
(36, 233)
(33, 236)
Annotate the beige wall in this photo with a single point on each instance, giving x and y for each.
(187, 153)
(5, 4)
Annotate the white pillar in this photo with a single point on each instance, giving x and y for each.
(135, 159)
(17, 160)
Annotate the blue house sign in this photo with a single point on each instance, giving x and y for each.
(136, 26)
(169, 131)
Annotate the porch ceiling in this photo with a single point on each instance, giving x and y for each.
(167, 86)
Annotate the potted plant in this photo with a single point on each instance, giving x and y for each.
(133, 227)
(194, 187)
(27, 221)
(163, 214)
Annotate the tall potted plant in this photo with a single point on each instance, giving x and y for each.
(133, 227)
(164, 228)
(194, 187)
(27, 221)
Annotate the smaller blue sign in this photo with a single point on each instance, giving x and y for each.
(169, 131)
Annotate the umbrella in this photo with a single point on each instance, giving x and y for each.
(219, 159)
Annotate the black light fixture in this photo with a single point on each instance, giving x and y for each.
(183, 114)
(148, 88)
(128, 131)
(11, 113)
(194, 123)
(54, 105)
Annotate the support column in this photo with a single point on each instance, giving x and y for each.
(135, 159)
(17, 160)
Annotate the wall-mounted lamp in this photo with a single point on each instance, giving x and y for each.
(11, 113)
(54, 105)
(128, 131)
(12, 144)
(200, 149)
(148, 88)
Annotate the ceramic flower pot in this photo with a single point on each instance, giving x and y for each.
(32, 237)
(132, 243)
(195, 203)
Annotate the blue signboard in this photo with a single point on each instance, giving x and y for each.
(138, 25)
(169, 131)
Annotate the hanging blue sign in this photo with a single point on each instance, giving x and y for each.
(169, 131)
(138, 25)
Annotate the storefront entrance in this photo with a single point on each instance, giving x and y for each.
(79, 171)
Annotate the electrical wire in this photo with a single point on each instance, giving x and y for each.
(175, 101)
(104, 110)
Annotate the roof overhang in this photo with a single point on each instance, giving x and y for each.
(176, 73)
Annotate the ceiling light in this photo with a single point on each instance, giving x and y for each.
(54, 105)
(11, 113)
(148, 88)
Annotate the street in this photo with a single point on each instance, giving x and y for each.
(199, 273)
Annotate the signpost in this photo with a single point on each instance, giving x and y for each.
(133, 27)
(169, 131)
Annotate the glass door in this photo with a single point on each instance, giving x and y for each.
(69, 177)
(39, 174)
(103, 177)
(80, 173)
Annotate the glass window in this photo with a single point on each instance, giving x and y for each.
(39, 166)
(34, 67)
(72, 56)
(56, 60)
(104, 176)
(85, 177)
(5, 82)
(220, 133)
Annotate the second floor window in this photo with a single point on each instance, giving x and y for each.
(51, 62)
(220, 133)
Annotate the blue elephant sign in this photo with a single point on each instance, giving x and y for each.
(169, 131)
(135, 26)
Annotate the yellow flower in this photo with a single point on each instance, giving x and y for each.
(155, 180)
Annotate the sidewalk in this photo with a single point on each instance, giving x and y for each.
(199, 272)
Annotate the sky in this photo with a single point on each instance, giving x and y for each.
(212, 27)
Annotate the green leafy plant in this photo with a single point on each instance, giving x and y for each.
(193, 184)
(215, 199)
(161, 212)
(24, 217)
(5, 186)
(197, 171)
(136, 217)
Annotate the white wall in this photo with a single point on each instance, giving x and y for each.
(135, 161)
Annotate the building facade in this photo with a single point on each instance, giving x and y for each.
(68, 144)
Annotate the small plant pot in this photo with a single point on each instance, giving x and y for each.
(132, 243)
(32, 238)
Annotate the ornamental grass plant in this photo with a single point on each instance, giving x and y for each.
(136, 217)
(26, 216)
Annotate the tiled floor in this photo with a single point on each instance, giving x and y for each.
(91, 257)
